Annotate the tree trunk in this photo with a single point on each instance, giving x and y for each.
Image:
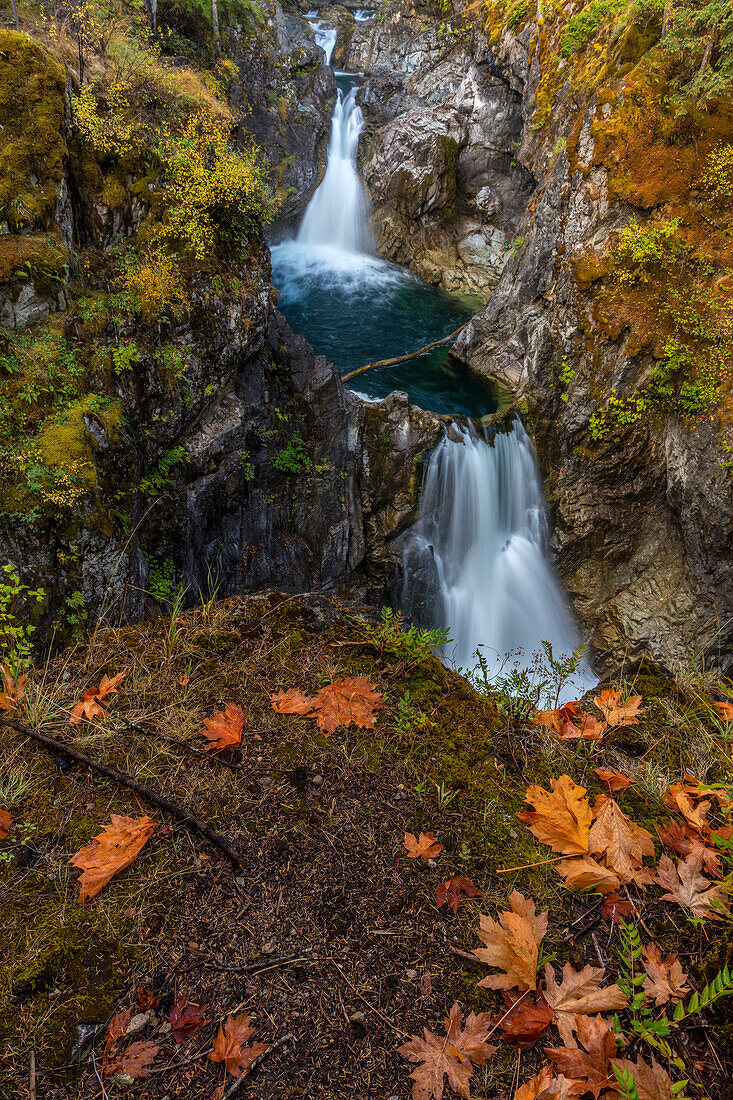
(15, 15)
(152, 10)
(215, 24)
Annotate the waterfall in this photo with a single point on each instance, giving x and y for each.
(324, 34)
(477, 561)
(337, 214)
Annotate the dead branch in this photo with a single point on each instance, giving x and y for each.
(402, 358)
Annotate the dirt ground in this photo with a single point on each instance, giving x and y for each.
(327, 935)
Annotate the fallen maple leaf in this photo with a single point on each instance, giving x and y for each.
(230, 1047)
(224, 729)
(118, 1025)
(13, 690)
(616, 906)
(425, 847)
(621, 842)
(111, 851)
(561, 818)
(615, 781)
(584, 873)
(146, 998)
(693, 801)
(726, 710)
(134, 1061)
(526, 1021)
(512, 944)
(536, 1086)
(186, 1019)
(652, 1082)
(579, 993)
(92, 705)
(450, 1056)
(625, 714)
(556, 719)
(688, 887)
(591, 1068)
(450, 891)
(590, 729)
(6, 820)
(337, 704)
(685, 841)
(183, 680)
(666, 980)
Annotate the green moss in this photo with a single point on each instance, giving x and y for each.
(40, 259)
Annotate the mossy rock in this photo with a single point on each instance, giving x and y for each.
(41, 259)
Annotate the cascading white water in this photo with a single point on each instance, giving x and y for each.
(478, 562)
(324, 33)
(336, 216)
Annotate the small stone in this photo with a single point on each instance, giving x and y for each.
(138, 1022)
(357, 1018)
(317, 780)
(411, 974)
(513, 834)
(269, 948)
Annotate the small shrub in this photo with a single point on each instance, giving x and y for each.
(16, 603)
(293, 458)
(642, 249)
(584, 24)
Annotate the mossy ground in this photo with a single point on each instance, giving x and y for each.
(326, 886)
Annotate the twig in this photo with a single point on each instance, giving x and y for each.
(402, 358)
(211, 757)
(601, 960)
(32, 1076)
(371, 1007)
(462, 954)
(132, 784)
(263, 964)
(101, 1082)
(260, 1058)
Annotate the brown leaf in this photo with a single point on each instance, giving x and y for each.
(118, 1025)
(624, 714)
(186, 1019)
(590, 729)
(134, 1061)
(526, 1021)
(109, 852)
(88, 707)
(683, 840)
(425, 847)
(622, 842)
(561, 818)
(6, 820)
(556, 719)
(688, 887)
(589, 1069)
(146, 998)
(224, 729)
(652, 1081)
(725, 710)
(230, 1047)
(450, 1056)
(183, 680)
(666, 980)
(579, 993)
(450, 891)
(615, 781)
(534, 1088)
(584, 873)
(512, 944)
(13, 690)
(616, 906)
(337, 704)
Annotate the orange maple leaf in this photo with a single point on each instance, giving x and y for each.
(685, 841)
(591, 1066)
(584, 873)
(666, 980)
(622, 843)
(224, 729)
(134, 1061)
(615, 781)
(425, 847)
(450, 891)
(230, 1046)
(536, 1086)
(726, 710)
(92, 705)
(450, 1056)
(687, 886)
(615, 714)
(561, 818)
(556, 719)
(110, 852)
(578, 993)
(337, 704)
(6, 820)
(512, 944)
(13, 690)
(526, 1020)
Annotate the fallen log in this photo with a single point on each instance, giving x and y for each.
(402, 358)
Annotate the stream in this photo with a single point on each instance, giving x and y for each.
(477, 561)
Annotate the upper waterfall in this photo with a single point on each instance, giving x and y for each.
(337, 214)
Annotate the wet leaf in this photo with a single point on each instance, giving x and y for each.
(424, 847)
(337, 704)
(231, 1045)
(584, 873)
(224, 729)
(591, 1066)
(186, 1019)
(134, 1061)
(579, 993)
(562, 816)
(652, 1081)
(527, 1021)
(536, 1086)
(6, 820)
(93, 704)
(110, 852)
(615, 781)
(615, 713)
(512, 944)
(666, 980)
(13, 690)
(687, 886)
(617, 907)
(621, 842)
(685, 841)
(450, 891)
(448, 1056)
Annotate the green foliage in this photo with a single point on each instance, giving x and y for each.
(582, 26)
(75, 615)
(161, 473)
(516, 14)
(523, 683)
(643, 249)
(17, 601)
(409, 715)
(124, 356)
(412, 645)
(293, 459)
(162, 581)
(700, 41)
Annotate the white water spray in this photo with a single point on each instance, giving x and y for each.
(337, 214)
(478, 562)
(324, 34)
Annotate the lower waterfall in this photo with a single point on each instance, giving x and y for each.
(477, 561)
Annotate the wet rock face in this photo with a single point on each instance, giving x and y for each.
(643, 521)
